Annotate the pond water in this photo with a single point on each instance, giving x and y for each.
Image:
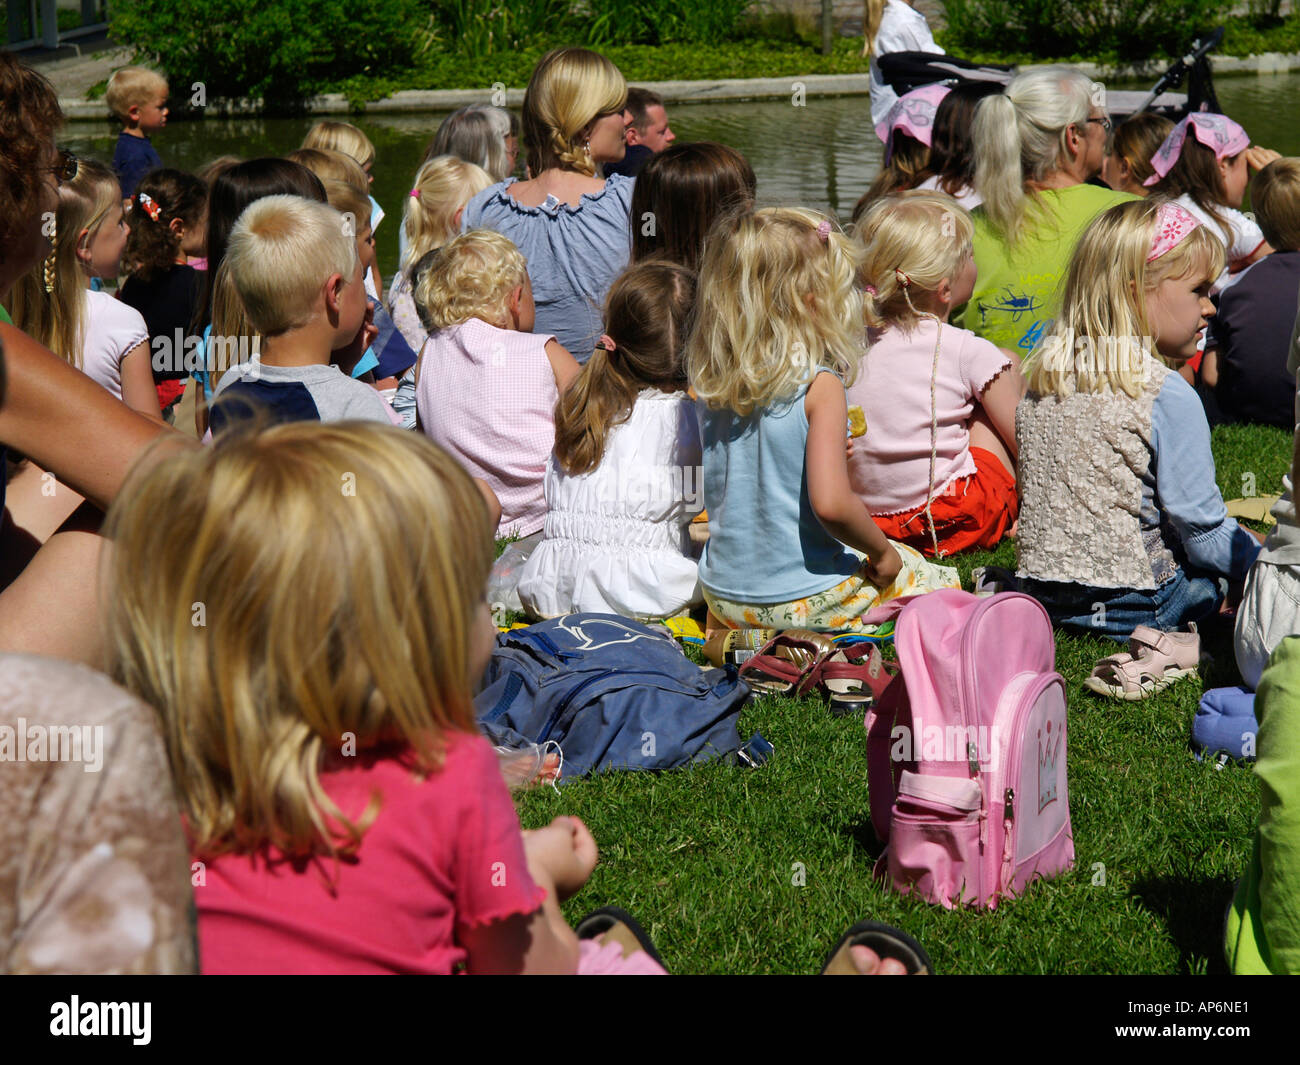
(822, 155)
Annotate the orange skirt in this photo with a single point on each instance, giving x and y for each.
(974, 511)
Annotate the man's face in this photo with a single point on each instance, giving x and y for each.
(656, 136)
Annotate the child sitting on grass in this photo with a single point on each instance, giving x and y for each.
(57, 304)
(1247, 344)
(1121, 522)
(936, 466)
(169, 221)
(778, 327)
(622, 486)
(349, 816)
(295, 269)
(487, 386)
(137, 98)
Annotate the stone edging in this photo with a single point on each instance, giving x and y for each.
(678, 92)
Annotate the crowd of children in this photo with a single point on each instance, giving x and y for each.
(833, 413)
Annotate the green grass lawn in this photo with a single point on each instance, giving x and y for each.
(710, 858)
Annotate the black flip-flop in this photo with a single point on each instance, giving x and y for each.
(886, 941)
(603, 920)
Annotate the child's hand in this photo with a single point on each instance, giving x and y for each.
(346, 358)
(883, 571)
(1257, 158)
(566, 850)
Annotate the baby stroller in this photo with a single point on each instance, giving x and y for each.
(905, 71)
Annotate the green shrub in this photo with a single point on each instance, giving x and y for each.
(624, 22)
(479, 28)
(282, 52)
(1054, 29)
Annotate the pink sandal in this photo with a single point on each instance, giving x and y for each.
(1154, 661)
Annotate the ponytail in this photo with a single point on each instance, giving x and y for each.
(872, 12)
(998, 175)
(600, 398)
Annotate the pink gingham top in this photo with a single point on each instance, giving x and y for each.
(487, 396)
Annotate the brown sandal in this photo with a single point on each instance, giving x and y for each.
(782, 664)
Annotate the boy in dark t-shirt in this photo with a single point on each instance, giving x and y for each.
(1248, 340)
(138, 99)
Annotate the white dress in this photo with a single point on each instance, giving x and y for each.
(1246, 238)
(616, 538)
(902, 29)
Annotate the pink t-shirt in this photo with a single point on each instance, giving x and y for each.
(445, 853)
(487, 396)
(890, 467)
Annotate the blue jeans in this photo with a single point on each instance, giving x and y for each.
(1116, 612)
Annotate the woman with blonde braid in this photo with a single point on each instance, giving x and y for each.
(571, 225)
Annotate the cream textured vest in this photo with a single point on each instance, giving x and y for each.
(1082, 459)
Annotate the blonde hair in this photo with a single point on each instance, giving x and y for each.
(58, 319)
(132, 87)
(471, 276)
(872, 12)
(341, 137)
(647, 316)
(923, 236)
(445, 184)
(281, 252)
(1275, 195)
(1020, 137)
(349, 201)
(329, 165)
(230, 326)
(757, 339)
(1102, 339)
(327, 614)
(570, 88)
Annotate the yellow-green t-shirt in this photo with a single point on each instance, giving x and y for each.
(4, 317)
(1016, 297)
(1263, 929)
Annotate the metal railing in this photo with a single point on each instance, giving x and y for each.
(35, 24)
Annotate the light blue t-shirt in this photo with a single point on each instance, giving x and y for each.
(766, 545)
(573, 253)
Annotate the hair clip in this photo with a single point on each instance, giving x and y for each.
(149, 205)
(871, 290)
(605, 343)
(903, 279)
(823, 230)
(415, 193)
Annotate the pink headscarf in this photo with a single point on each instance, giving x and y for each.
(1173, 223)
(913, 113)
(1217, 132)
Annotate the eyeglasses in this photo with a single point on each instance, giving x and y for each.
(65, 169)
(1106, 124)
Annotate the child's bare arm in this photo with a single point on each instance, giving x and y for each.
(560, 858)
(138, 391)
(563, 365)
(999, 400)
(840, 511)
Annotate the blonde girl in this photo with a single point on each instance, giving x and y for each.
(1121, 524)
(936, 466)
(622, 485)
(486, 384)
(58, 305)
(348, 814)
(778, 331)
(891, 26)
(443, 186)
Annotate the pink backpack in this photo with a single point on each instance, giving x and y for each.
(967, 751)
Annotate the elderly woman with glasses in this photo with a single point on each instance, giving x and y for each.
(1036, 147)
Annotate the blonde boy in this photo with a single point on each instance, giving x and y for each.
(138, 99)
(294, 265)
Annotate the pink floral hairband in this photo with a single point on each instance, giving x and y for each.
(1173, 223)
